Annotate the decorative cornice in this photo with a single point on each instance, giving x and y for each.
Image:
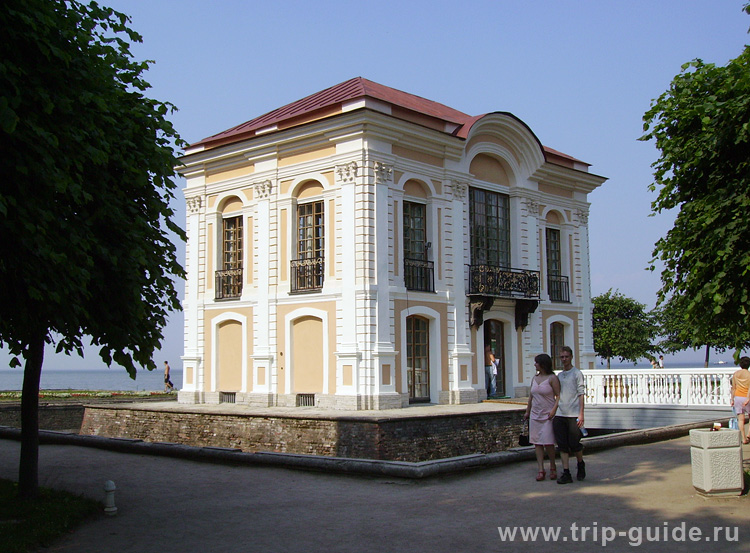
(194, 204)
(348, 172)
(263, 189)
(383, 172)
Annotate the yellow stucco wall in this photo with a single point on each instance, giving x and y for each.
(230, 339)
(219, 176)
(229, 377)
(489, 169)
(307, 337)
(307, 355)
(285, 161)
(415, 189)
(417, 156)
(549, 189)
(310, 189)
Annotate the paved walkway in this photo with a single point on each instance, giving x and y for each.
(174, 505)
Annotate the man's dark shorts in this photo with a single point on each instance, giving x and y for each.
(567, 434)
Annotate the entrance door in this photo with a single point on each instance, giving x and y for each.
(557, 340)
(418, 359)
(494, 334)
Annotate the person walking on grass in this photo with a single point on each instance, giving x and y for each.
(540, 410)
(568, 421)
(168, 386)
(740, 395)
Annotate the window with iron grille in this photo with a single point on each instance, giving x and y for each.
(307, 269)
(418, 272)
(489, 214)
(229, 277)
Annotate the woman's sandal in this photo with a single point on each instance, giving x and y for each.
(540, 476)
(553, 474)
(746, 441)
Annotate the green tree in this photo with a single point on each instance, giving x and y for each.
(701, 126)
(622, 328)
(677, 332)
(85, 184)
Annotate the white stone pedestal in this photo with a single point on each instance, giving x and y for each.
(716, 457)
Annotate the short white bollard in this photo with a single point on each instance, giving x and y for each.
(109, 498)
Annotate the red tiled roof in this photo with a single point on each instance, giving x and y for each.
(350, 90)
(347, 91)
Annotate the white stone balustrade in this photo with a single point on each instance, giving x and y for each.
(644, 387)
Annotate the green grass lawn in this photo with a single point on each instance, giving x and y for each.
(82, 394)
(27, 525)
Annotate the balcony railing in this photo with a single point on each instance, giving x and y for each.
(558, 288)
(228, 284)
(499, 282)
(688, 387)
(307, 274)
(419, 275)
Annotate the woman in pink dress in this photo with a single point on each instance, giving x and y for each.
(540, 410)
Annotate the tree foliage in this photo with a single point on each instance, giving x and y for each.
(623, 328)
(85, 184)
(677, 331)
(701, 126)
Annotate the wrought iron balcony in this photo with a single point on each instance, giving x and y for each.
(307, 274)
(499, 282)
(558, 288)
(419, 275)
(228, 284)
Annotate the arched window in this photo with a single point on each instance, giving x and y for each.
(308, 267)
(229, 275)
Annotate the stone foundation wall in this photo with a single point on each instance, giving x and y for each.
(399, 439)
(51, 417)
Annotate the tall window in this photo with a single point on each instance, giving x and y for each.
(418, 272)
(554, 265)
(557, 341)
(307, 269)
(414, 231)
(229, 278)
(489, 213)
(418, 358)
(557, 284)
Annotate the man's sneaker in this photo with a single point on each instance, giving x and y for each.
(581, 470)
(566, 478)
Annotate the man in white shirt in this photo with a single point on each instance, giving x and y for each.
(568, 421)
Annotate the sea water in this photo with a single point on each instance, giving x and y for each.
(116, 379)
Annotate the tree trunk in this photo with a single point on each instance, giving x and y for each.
(607, 362)
(28, 471)
(708, 351)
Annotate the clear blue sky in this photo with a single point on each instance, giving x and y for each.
(579, 73)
